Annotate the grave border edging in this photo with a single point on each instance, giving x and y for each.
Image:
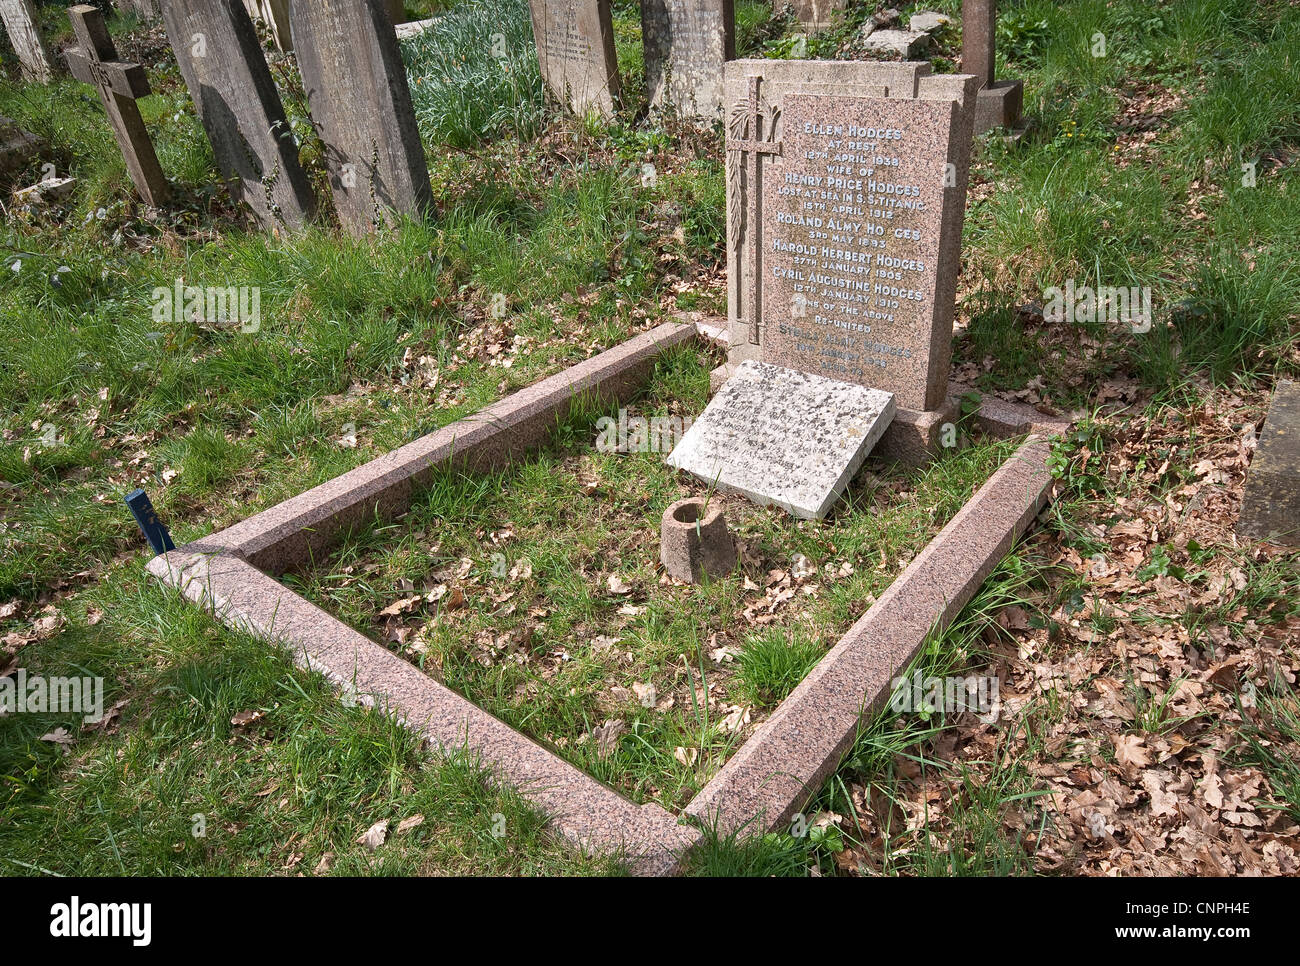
(233, 574)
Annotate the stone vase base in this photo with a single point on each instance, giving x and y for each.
(692, 545)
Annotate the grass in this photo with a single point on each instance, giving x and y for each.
(1130, 174)
(465, 91)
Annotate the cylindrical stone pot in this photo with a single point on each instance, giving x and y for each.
(691, 546)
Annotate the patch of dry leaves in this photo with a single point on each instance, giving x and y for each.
(1128, 716)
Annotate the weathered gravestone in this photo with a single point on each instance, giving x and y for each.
(687, 42)
(17, 146)
(845, 202)
(145, 9)
(239, 106)
(575, 51)
(784, 437)
(20, 23)
(999, 102)
(95, 62)
(413, 28)
(275, 14)
(361, 104)
(1270, 505)
(813, 15)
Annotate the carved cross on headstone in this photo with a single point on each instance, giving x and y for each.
(753, 144)
(119, 84)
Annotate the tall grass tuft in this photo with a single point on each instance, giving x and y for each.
(474, 75)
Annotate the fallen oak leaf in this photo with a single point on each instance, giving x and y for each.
(58, 736)
(406, 824)
(399, 606)
(645, 694)
(607, 736)
(373, 837)
(1131, 752)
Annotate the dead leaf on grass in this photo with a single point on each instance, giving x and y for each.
(375, 836)
(406, 824)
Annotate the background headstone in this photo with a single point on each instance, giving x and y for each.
(999, 103)
(361, 104)
(145, 9)
(239, 106)
(413, 28)
(776, 79)
(275, 14)
(20, 23)
(1270, 505)
(687, 42)
(784, 437)
(862, 240)
(575, 51)
(119, 84)
(903, 44)
(17, 146)
(813, 15)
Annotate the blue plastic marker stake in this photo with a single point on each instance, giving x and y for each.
(146, 518)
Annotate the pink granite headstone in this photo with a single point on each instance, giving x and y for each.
(763, 103)
(862, 220)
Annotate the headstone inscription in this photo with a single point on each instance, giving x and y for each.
(20, 23)
(861, 240)
(1270, 504)
(847, 183)
(575, 51)
(360, 100)
(237, 102)
(687, 42)
(784, 437)
(844, 219)
(998, 103)
(119, 84)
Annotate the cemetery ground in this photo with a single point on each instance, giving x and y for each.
(1147, 657)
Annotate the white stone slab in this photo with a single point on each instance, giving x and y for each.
(784, 437)
(405, 31)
